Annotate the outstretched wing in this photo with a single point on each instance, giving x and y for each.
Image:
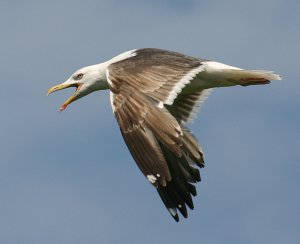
(165, 151)
(158, 74)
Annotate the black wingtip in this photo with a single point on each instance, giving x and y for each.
(173, 212)
(176, 217)
(182, 209)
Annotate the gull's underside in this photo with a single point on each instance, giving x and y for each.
(154, 93)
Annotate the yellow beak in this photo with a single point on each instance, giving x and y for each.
(64, 86)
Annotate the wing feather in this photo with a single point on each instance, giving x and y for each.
(142, 124)
(156, 73)
(186, 106)
(165, 151)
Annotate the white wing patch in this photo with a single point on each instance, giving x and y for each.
(151, 178)
(182, 83)
(111, 98)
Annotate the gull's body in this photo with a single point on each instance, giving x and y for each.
(154, 93)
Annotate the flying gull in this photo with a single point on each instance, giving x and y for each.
(153, 94)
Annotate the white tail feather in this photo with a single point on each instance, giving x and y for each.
(250, 77)
(218, 75)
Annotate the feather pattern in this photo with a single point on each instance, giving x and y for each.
(156, 73)
(165, 151)
(186, 106)
(153, 94)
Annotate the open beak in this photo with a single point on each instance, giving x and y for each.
(64, 86)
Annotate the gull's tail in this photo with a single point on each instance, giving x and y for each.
(250, 77)
(218, 75)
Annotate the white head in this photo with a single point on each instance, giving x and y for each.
(86, 80)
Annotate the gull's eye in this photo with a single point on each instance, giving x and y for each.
(79, 76)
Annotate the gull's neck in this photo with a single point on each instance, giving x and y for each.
(101, 69)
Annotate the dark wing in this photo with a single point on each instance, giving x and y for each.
(186, 106)
(157, 73)
(143, 126)
(165, 151)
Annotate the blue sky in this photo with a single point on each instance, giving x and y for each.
(68, 177)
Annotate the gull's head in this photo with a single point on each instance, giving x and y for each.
(85, 80)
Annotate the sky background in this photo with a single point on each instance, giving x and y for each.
(67, 178)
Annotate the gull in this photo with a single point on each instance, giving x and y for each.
(154, 93)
